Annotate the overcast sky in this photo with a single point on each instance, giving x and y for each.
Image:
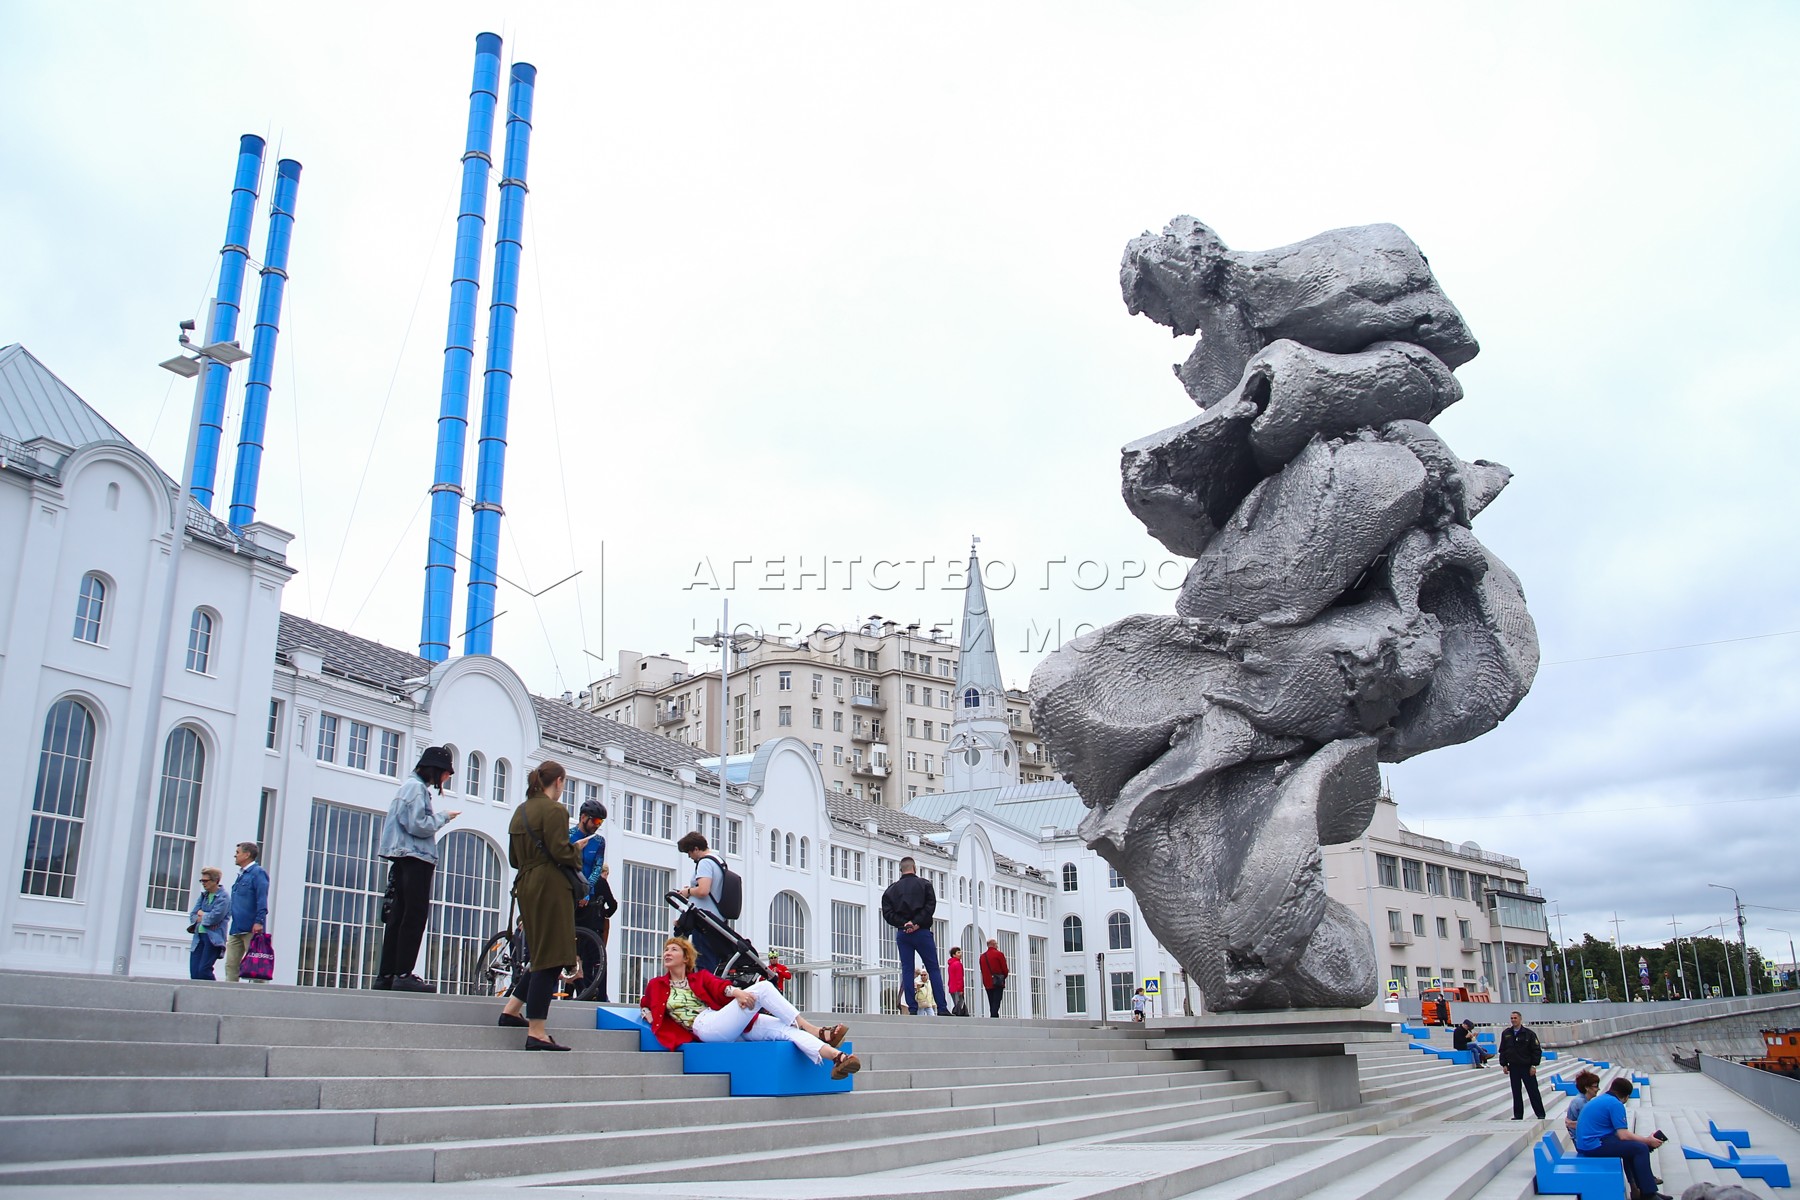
(835, 282)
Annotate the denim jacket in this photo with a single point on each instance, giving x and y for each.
(209, 916)
(250, 899)
(410, 830)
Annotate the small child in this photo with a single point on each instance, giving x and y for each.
(1140, 1005)
(922, 994)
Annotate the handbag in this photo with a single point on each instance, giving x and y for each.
(577, 882)
(259, 958)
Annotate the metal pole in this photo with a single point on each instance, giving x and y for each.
(725, 643)
(1680, 967)
(1743, 943)
(139, 808)
(1619, 945)
(1100, 962)
(1791, 964)
(1561, 954)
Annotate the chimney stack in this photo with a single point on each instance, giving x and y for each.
(490, 478)
(222, 325)
(262, 346)
(459, 356)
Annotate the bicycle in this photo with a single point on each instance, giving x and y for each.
(506, 955)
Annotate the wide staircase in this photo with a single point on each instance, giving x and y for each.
(113, 1082)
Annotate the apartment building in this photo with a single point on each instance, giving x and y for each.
(1440, 910)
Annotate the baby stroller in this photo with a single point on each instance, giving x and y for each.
(741, 964)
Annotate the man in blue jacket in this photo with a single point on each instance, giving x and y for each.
(249, 907)
(409, 843)
(592, 910)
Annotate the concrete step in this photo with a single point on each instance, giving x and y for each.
(1409, 1162)
(20, 1056)
(1306, 1173)
(901, 1075)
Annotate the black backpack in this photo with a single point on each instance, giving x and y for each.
(731, 891)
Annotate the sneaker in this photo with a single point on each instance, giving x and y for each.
(846, 1066)
(383, 983)
(411, 983)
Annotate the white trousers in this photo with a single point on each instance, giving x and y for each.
(774, 1018)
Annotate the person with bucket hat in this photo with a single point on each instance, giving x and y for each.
(409, 843)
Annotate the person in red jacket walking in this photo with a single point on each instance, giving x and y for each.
(993, 975)
(686, 1005)
(959, 1005)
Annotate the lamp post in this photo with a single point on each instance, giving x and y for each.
(195, 363)
(1743, 942)
(1792, 967)
(1568, 996)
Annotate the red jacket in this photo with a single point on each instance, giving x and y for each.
(956, 974)
(708, 988)
(993, 968)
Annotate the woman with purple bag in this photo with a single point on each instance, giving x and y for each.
(249, 909)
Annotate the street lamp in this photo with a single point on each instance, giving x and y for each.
(194, 364)
(728, 644)
(1743, 942)
(1792, 967)
(1568, 996)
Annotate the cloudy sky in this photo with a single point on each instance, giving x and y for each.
(808, 284)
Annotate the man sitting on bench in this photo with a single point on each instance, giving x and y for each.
(1602, 1131)
(686, 1005)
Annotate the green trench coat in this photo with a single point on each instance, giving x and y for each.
(545, 902)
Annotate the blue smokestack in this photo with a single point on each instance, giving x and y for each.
(459, 355)
(262, 347)
(223, 324)
(478, 637)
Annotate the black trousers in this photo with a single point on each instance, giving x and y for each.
(1526, 1078)
(589, 918)
(994, 994)
(405, 929)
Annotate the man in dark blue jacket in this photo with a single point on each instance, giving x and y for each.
(249, 906)
(908, 905)
(1520, 1054)
(592, 910)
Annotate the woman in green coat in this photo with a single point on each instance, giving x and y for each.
(539, 844)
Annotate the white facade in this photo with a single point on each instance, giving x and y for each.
(86, 530)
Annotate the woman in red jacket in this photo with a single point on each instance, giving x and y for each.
(957, 982)
(684, 1005)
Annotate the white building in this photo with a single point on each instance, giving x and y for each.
(272, 728)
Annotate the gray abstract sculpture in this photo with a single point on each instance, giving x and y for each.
(1339, 612)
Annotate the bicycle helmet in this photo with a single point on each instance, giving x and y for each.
(593, 810)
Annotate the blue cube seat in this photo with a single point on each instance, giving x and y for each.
(1737, 1137)
(1563, 1174)
(1766, 1167)
(752, 1068)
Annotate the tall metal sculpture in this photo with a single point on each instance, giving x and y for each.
(1339, 612)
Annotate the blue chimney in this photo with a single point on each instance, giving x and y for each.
(223, 324)
(262, 346)
(490, 477)
(459, 356)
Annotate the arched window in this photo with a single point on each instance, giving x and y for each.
(200, 639)
(59, 805)
(962, 889)
(472, 780)
(1071, 878)
(981, 895)
(450, 780)
(804, 848)
(972, 698)
(90, 609)
(1072, 934)
(1118, 932)
(788, 844)
(466, 890)
(501, 771)
(775, 845)
(787, 937)
(177, 821)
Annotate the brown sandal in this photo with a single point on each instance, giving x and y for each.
(834, 1037)
(846, 1066)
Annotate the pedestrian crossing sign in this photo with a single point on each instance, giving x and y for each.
(1152, 985)
(1534, 989)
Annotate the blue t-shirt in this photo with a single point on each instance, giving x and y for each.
(706, 868)
(1600, 1116)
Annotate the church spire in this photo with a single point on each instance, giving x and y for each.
(981, 749)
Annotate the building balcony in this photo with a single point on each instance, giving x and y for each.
(1470, 946)
(874, 703)
(871, 770)
(866, 733)
(671, 714)
(1399, 937)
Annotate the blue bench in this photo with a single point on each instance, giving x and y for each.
(1466, 1057)
(752, 1068)
(1415, 1030)
(1766, 1167)
(1549, 1056)
(1563, 1174)
(1737, 1137)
